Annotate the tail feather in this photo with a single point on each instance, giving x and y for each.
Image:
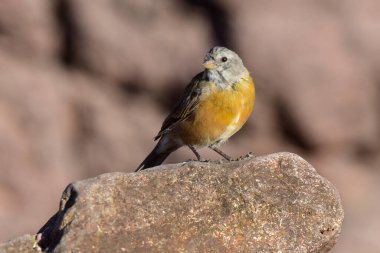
(158, 154)
(161, 151)
(153, 159)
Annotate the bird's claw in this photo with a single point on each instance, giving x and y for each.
(247, 156)
(196, 160)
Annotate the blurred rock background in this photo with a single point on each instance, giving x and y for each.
(85, 86)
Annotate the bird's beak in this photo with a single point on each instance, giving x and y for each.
(209, 64)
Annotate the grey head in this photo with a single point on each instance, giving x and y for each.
(223, 64)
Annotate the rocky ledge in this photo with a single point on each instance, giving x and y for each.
(274, 203)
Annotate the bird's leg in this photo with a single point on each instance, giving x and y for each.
(195, 152)
(220, 152)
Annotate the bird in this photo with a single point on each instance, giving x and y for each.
(215, 105)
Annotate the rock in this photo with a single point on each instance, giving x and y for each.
(318, 70)
(94, 133)
(143, 34)
(264, 204)
(28, 30)
(24, 244)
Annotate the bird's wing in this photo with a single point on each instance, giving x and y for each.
(185, 106)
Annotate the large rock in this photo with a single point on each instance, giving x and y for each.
(137, 42)
(24, 244)
(264, 204)
(90, 133)
(312, 79)
(28, 30)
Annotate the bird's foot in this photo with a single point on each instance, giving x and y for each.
(245, 157)
(196, 160)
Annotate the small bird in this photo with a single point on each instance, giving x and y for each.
(215, 105)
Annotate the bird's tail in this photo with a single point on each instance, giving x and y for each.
(156, 157)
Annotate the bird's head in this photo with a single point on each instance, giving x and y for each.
(225, 62)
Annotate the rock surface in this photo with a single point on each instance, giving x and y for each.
(24, 244)
(264, 204)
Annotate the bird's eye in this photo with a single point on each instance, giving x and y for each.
(224, 59)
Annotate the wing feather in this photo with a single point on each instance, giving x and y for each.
(185, 106)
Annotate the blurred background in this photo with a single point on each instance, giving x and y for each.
(85, 86)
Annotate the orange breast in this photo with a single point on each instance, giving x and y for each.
(219, 114)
